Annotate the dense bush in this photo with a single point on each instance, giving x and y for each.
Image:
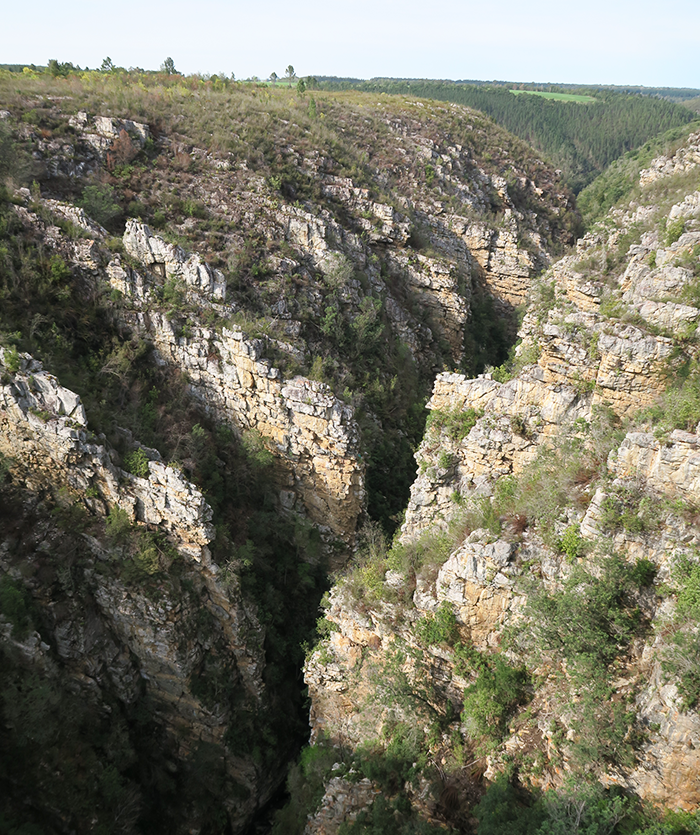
(306, 786)
(440, 628)
(99, 202)
(628, 508)
(588, 626)
(680, 406)
(681, 659)
(456, 424)
(505, 809)
(491, 699)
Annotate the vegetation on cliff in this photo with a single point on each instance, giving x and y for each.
(324, 222)
(225, 159)
(543, 616)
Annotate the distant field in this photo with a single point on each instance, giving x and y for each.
(556, 96)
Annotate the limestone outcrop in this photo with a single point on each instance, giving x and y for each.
(171, 262)
(684, 159)
(44, 430)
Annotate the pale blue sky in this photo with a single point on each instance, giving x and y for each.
(600, 42)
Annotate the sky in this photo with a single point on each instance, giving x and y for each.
(624, 42)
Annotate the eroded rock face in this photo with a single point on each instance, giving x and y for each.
(110, 636)
(671, 467)
(477, 580)
(341, 802)
(511, 421)
(600, 336)
(313, 433)
(685, 158)
(507, 268)
(172, 262)
(43, 429)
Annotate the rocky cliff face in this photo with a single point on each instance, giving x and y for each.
(116, 605)
(313, 432)
(534, 482)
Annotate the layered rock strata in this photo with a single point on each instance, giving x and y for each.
(312, 431)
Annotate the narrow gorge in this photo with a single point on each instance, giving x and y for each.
(227, 523)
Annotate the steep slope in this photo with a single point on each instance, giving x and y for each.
(537, 616)
(122, 642)
(220, 309)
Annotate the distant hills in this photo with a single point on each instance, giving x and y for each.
(581, 140)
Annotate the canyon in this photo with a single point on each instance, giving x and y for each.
(220, 324)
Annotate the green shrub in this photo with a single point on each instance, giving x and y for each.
(257, 452)
(587, 626)
(174, 294)
(549, 484)
(489, 702)
(424, 554)
(681, 659)
(365, 578)
(643, 572)
(590, 621)
(585, 808)
(505, 809)
(629, 509)
(445, 460)
(136, 463)
(118, 525)
(12, 360)
(403, 686)
(325, 627)
(674, 230)
(306, 785)
(14, 606)
(147, 558)
(193, 208)
(99, 202)
(603, 730)
(483, 512)
(455, 423)
(571, 542)
(668, 823)
(440, 628)
(680, 406)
